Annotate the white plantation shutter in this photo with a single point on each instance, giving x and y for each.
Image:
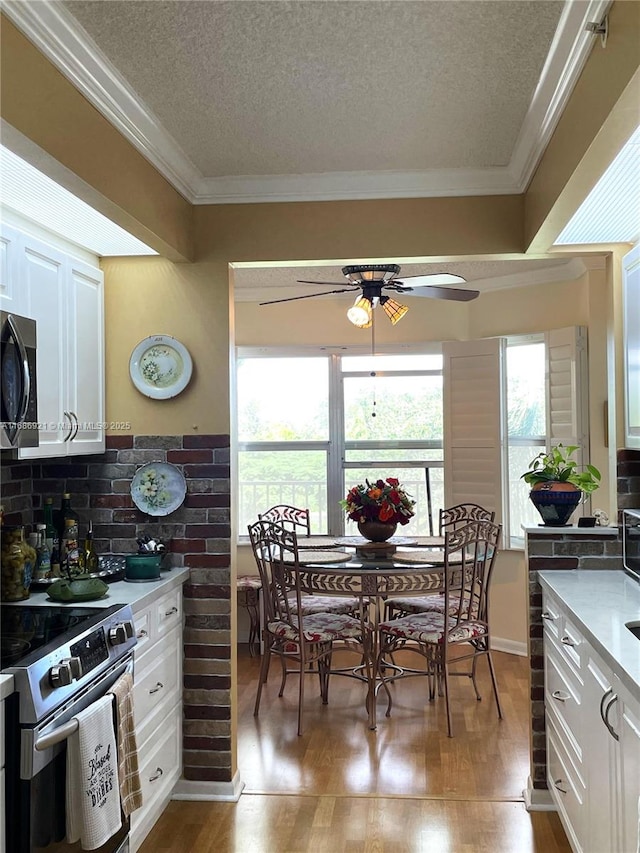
(567, 412)
(473, 423)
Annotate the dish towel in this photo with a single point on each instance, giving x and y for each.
(93, 799)
(128, 775)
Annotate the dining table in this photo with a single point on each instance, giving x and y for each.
(371, 582)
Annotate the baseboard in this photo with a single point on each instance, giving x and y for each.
(511, 647)
(190, 789)
(537, 799)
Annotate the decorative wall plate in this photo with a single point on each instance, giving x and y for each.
(158, 488)
(160, 367)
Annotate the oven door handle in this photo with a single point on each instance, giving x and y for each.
(56, 736)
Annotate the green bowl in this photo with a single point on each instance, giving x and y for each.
(142, 567)
(78, 589)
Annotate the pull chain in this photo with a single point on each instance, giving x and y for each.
(373, 354)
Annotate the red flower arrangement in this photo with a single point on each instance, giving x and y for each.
(382, 500)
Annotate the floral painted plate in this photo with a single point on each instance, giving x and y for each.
(158, 488)
(160, 367)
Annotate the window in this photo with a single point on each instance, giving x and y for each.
(310, 426)
(526, 427)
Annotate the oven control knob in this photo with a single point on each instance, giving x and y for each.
(65, 672)
(120, 633)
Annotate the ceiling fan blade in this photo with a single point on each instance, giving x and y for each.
(455, 294)
(432, 279)
(332, 283)
(309, 295)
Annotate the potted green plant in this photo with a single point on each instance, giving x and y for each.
(558, 484)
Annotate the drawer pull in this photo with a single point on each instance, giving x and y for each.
(156, 775)
(560, 696)
(604, 712)
(159, 686)
(546, 615)
(567, 641)
(141, 633)
(171, 611)
(557, 783)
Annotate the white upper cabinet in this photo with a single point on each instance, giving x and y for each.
(64, 295)
(631, 338)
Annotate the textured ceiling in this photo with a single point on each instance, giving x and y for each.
(278, 88)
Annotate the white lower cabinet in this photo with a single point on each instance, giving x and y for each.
(158, 707)
(593, 741)
(3, 846)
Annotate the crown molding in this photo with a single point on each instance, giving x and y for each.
(569, 51)
(55, 32)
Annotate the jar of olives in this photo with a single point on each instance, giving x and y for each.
(17, 562)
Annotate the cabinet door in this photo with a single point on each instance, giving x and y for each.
(44, 282)
(12, 290)
(600, 757)
(627, 725)
(85, 396)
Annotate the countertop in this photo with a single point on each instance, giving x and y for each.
(601, 602)
(138, 595)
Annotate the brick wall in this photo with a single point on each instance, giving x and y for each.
(198, 535)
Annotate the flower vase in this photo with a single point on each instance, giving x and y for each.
(377, 531)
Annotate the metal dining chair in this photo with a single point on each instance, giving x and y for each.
(289, 633)
(469, 557)
(449, 519)
(291, 517)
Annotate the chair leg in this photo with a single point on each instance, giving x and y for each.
(472, 675)
(264, 671)
(283, 664)
(445, 681)
(495, 684)
(301, 696)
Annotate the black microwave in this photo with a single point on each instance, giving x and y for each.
(631, 542)
(18, 387)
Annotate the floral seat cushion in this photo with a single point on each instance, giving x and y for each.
(324, 604)
(249, 582)
(429, 628)
(319, 628)
(425, 603)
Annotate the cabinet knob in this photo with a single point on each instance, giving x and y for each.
(141, 633)
(171, 611)
(567, 641)
(547, 615)
(604, 712)
(159, 686)
(560, 696)
(156, 775)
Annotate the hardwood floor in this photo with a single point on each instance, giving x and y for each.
(405, 788)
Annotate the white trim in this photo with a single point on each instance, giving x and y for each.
(510, 647)
(228, 792)
(537, 799)
(569, 52)
(57, 34)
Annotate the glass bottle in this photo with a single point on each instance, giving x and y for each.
(65, 511)
(89, 555)
(17, 561)
(69, 551)
(52, 537)
(43, 555)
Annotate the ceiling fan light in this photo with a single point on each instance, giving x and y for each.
(394, 311)
(360, 313)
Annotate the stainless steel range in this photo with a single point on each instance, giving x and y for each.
(63, 658)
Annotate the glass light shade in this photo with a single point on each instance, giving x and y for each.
(394, 310)
(360, 313)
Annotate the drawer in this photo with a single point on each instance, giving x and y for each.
(169, 611)
(562, 634)
(144, 634)
(567, 789)
(551, 618)
(3, 846)
(158, 686)
(2, 757)
(160, 764)
(563, 697)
